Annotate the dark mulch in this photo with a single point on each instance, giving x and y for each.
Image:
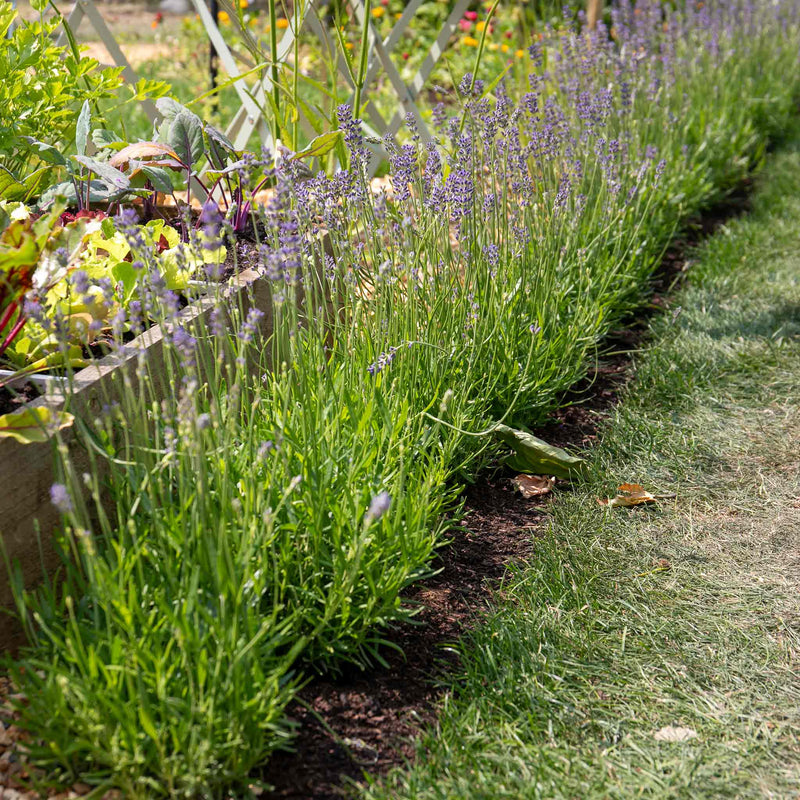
(374, 715)
(13, 400)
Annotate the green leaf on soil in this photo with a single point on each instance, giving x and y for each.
(537, 457)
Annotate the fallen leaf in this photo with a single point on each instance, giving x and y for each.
(632, 494)
(671, 734)
(533, 485)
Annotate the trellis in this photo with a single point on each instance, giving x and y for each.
(86, 9)
(250, 115)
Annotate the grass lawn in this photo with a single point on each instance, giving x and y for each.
(653, 651)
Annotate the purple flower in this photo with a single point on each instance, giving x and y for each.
(378, 507)
(468, 88)
(439, 115)
(80, 282)
(264, 449)
(383, 361)
(492, 253)
(250, 326)
(404, 168)
(353, 137)
(59, 497)
(185, 344)
(211, 220)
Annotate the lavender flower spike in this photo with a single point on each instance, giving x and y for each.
(378, 507)
(59, 497)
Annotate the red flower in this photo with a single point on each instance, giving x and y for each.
(471, 15)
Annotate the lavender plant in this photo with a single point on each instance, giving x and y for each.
(259, 520)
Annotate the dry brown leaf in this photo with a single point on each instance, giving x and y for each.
(632, 494)
(533, 485)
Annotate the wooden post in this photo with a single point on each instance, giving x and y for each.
(594, 8)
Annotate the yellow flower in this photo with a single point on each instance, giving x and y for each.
(252, 22)
(470, 42)
(348, 45)
(398, 15)
(282, 24)
(243, 4)
(224, 18)
(378, 12)
(494, 46)
(520, 54)
(504, 48)
(480, 26)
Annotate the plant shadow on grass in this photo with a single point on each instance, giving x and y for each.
(780, 320)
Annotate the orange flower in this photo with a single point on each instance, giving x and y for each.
(469, 41)
(378, 12)
(224, 18)
(480, 26)
(282, 24)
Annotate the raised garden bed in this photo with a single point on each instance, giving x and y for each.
(28, 515)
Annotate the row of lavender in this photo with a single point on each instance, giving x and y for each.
(247, 531)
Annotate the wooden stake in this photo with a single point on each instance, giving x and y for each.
(594, 8)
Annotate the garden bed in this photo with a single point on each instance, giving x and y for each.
(26, 470)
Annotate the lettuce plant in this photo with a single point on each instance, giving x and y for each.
(64, 282)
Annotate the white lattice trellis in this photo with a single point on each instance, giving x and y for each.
(250, 116)
(86, 9)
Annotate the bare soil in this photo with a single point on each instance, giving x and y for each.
(13, 400)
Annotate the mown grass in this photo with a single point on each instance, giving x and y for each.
(686, 614)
